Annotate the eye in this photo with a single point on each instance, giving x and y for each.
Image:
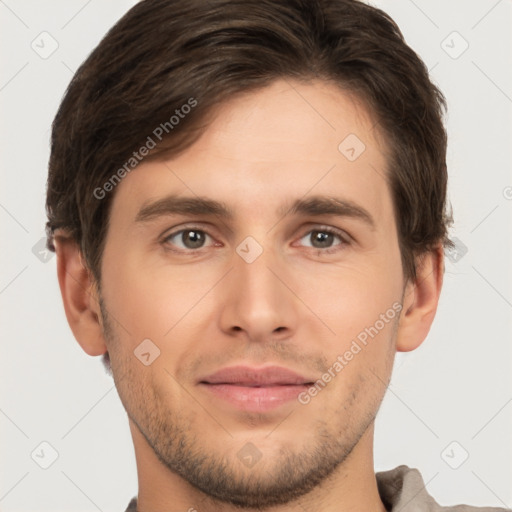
(325, 238)
(187, 239)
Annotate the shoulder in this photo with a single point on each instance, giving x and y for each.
(403, 489)
(132, 506)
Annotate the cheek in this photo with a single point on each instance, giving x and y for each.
(362, 306)
(149, 299)
(351, 297)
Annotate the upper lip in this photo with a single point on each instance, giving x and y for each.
(252, 376)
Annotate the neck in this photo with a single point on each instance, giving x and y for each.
(351, 487)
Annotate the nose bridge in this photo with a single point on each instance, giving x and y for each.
(256, 300)
(253, 262)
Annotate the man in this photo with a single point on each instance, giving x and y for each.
(247, 201)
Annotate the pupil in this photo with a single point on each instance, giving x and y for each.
(193, 239)
(324, 239)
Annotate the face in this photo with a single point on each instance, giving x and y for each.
(262, 264)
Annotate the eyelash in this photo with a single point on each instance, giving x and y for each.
(342, 236)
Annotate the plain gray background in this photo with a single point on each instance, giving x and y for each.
(448, 400)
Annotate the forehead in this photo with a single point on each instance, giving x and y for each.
(308, 118)
(281, 142)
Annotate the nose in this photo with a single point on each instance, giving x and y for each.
(257, 304)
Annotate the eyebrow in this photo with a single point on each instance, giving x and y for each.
(328, 205)
(196, 206)
(177, 205)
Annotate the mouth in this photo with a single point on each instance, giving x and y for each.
(255, 389)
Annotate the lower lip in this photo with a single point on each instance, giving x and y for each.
(256, 399)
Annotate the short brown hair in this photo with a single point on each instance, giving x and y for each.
(162, 53)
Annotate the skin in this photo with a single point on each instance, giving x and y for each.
(296, 306)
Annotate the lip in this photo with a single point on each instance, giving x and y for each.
(255, 389)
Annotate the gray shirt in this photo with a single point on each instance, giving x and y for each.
(402, 490)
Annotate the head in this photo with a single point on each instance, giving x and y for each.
(309, 127)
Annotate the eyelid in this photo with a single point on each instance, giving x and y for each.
(183, 227)
(345, 239)
(329, 229)
(173, 232)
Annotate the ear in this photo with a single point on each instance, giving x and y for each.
(420, 300)
(80, 296)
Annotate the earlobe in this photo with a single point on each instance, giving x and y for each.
(420, 301)
(79, 296)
